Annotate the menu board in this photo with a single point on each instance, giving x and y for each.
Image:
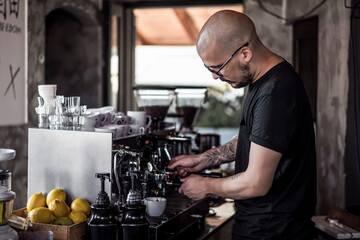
(13, 62)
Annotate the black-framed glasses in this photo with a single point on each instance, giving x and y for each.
(227, 61)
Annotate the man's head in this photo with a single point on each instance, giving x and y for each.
(227, 43)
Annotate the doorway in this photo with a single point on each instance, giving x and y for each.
(305, 48)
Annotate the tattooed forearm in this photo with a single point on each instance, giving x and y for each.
(222, 154)
(235, 176)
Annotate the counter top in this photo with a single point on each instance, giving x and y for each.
(337, 231)
(219, 225)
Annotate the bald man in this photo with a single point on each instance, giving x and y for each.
(274, 186)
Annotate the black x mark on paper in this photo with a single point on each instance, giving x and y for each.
(13, 76)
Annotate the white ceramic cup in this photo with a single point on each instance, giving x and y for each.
(123, 130)
(120, 120)
(119, 131)
(89, 121)
(155, 206)
(108, 114)
(136, 129)
(139, 118)
(47, 93)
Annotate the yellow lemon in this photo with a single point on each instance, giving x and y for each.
(55, 194)
(59, 208)
(82, 205)
(41, 215)
(36, 200)
(64, 221)
(77, 216)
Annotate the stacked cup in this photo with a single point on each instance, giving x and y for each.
(46, 108)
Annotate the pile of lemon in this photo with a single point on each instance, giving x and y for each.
(53, 209)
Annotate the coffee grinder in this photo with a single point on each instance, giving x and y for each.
(188, 103)
(7, 197)
(155, 101)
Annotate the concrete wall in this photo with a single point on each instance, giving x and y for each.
(334, 32)
(272, 31)
(16, 137)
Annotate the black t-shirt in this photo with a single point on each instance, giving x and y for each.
(277, 116)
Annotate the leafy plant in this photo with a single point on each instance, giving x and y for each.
(222, 108)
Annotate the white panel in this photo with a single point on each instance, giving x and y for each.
(13, 59)
(68, 160)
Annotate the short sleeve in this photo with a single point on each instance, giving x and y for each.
(274, 122)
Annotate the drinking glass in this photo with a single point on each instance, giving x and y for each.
(72, 105)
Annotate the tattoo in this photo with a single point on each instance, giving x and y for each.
(235, 176)
(222, 154)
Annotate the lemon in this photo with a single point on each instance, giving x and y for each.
(41, 215)
(55, 194)
(82, 205)
(64, 221)
(77, 216)
(59, 208)
(36, 200)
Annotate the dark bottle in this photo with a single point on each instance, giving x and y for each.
(134, 224)
(102, 225)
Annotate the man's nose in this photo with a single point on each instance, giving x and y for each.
(215, 76)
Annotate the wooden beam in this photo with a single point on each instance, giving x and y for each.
(141, 39)
(188, 23)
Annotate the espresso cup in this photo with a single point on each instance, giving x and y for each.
(136, 129)
(89, 121)
(123, 130)
(155, 206)
(139, 118)
(121, 120)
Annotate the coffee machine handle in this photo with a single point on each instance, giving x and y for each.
(167, 152)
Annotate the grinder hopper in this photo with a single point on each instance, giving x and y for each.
(188, 102)
(155, 101)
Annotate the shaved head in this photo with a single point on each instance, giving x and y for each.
(228, 30)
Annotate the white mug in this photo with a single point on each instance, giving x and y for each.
(121, 120)
(89, 121)
(123, 130)
(136, 129)
(155, 206)
(139, 118)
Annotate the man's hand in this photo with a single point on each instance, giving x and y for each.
(194, 187)
(185, 164)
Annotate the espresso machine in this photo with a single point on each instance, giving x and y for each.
(139, 170)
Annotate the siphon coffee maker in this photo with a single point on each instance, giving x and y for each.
(7, 198)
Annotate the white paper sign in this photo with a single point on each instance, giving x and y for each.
(13, 62)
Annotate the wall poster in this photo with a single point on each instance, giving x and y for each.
(13, 62)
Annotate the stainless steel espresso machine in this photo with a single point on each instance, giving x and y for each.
(139, 170)
(137, 167)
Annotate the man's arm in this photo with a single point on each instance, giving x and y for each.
(254, 182)
(210, 158)
(224, 153)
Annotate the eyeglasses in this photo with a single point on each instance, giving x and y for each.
(227, 61)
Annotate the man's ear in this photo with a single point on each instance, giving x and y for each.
(246, 54)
